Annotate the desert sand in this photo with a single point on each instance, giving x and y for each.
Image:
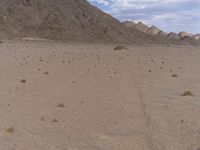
(79, 96)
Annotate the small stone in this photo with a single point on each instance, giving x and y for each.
(54, 120)
(61, 105)
(23, 81)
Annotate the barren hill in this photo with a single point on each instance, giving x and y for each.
(60, 19)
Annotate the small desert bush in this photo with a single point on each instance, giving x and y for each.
(120, 47)
(10, 130)
(187, 93)
(167, 45)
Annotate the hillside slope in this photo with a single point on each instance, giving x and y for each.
(60, 19)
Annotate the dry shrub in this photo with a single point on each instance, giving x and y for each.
(187, 93)
(10, 130)
(120, 47)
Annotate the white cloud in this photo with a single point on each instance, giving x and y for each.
(104, 2)
(170, 15)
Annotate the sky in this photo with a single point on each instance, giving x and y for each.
(168, 15)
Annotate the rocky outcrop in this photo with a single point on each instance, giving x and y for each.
(173, 35)
(129, 24)
(141, 27)
(197, 37)
(153, 30)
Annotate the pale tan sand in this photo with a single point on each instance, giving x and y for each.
(76, 96)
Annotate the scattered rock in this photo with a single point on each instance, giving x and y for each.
(174, 75)
(54, 120)
(61, 105)
(46, 73)
(23, 81)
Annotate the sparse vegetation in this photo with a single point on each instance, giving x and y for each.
(187, 93)
(120, 47)
(10, 130)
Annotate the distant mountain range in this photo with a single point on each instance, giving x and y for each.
(153, 30)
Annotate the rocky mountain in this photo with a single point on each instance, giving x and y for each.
(60, 19)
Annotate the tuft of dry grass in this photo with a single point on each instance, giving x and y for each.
(10, 130)
(120, 47)
(187, 93)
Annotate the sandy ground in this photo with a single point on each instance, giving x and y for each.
(75, 96)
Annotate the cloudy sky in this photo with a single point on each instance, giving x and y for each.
(169, 15)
